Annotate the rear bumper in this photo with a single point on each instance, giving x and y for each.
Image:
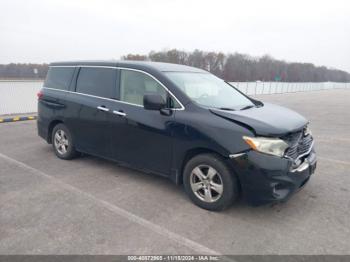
(266, 179)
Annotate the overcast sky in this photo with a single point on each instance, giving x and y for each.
(303, 31)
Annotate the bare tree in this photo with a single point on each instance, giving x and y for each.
(231, 67)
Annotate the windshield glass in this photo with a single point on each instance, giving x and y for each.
(209, 90)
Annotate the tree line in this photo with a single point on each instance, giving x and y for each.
(23, 71)
(231, 67)
(242, 67)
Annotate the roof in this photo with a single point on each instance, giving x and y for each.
(164, 67)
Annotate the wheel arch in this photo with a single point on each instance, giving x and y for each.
(194, 152)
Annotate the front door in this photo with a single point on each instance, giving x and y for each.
(141, 138)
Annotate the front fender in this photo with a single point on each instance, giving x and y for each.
(204, 131)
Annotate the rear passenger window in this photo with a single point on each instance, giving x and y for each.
(59, 77)
(97, 81)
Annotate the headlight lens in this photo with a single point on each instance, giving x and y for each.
(271, 146)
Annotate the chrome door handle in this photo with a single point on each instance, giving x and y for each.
(119, 113)
(102, 108)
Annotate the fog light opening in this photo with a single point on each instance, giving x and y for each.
(279, 190)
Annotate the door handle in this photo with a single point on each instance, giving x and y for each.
(103, 108)
(119, 113)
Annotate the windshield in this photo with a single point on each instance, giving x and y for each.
(209, 90)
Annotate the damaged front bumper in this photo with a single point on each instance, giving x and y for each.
(265, 178)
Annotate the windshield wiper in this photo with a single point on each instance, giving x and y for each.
(227, 109)
(247, 107)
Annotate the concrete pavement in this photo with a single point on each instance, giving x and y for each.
(92, 206)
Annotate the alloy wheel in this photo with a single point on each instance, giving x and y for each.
(206, 183)
(61, 142)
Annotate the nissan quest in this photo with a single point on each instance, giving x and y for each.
(179, 122)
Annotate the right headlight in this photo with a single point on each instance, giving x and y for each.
(271, 146)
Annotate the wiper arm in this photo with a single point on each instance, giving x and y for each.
(227, 109)
(247, 107)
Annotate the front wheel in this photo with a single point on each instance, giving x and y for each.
(63, 143)
(209, 182)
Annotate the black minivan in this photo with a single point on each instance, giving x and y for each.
(179, 122)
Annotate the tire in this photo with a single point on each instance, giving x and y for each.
(63, 148)
(202, 177)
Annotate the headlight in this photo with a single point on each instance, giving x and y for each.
(271, 146)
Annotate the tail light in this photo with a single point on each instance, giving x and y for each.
(39, 94)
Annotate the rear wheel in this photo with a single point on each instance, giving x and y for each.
(63, 143)
(209, 182)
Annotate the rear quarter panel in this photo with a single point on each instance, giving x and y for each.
(51, 107)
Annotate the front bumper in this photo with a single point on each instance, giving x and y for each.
(265, 179)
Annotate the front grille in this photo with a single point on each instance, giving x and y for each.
(299, 144)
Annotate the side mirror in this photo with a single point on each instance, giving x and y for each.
(153, 102)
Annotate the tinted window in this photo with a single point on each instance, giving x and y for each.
(97, 81)
(134, 85)
(59, 77)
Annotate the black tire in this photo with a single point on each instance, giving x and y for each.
(70, 151)
(228, 180)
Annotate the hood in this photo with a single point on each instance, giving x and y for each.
(267, 120)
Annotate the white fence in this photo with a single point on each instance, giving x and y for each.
(18, 97)
(259, 88)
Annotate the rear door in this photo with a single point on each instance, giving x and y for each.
(140, 138)
(89, 108)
